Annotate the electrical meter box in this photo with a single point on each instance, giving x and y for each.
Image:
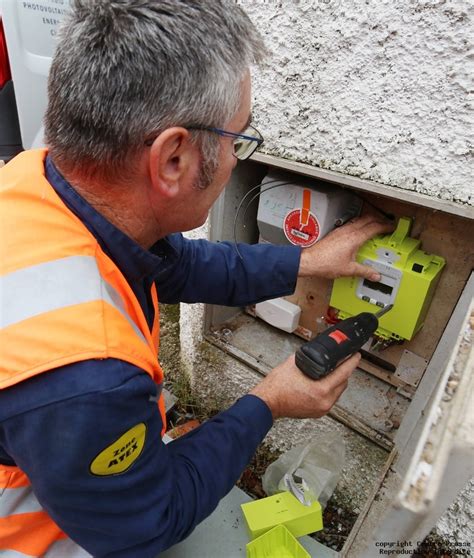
(408, 280)
(302, 211)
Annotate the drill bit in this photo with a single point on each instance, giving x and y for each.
(383, 311)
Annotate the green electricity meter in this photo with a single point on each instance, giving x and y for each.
(408, 281)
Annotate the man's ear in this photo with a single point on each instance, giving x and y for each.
(173, 161)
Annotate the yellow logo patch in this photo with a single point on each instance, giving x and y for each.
(120, 455)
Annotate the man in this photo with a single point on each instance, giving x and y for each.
(149, 106)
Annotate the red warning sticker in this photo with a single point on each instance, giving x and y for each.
(298, 232)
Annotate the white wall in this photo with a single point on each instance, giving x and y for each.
(377, 89)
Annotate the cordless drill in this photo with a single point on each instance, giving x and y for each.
(318, 357)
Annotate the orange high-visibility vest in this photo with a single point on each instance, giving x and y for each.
(63, 300)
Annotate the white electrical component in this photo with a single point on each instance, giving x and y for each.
(302, 211)
(279, 313)
(383, 292)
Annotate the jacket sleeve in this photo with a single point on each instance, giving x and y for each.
(79, 411)
(214, 273)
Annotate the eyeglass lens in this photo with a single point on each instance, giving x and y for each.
(243, 148)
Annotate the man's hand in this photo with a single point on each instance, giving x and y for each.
(334, 255)
(289, 393)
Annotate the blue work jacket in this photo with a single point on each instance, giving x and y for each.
(170, 488)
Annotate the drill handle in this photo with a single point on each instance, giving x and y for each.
(320, 356)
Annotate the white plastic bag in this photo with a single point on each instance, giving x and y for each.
(315, 466)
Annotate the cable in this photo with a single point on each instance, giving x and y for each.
(239, 207)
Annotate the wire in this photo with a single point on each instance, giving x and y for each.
(242, 201)
(258, 187)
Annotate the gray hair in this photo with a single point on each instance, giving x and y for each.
(125, 70)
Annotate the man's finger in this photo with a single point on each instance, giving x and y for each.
(342, 373)
(363, 221)
(359, 270)
(370, 225)
(373, 228)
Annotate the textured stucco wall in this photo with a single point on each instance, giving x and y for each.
(372, 88)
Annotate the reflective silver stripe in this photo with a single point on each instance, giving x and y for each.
(18, 500)
(110, 295)
(66, 547)
(56, 284)
(14, 554)
(14, 501)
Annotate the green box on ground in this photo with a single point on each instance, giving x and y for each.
(282, 509)
(276, 543)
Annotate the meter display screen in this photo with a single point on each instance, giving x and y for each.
(380, 292)
(376, 286)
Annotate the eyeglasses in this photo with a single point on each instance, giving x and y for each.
(244, 144)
